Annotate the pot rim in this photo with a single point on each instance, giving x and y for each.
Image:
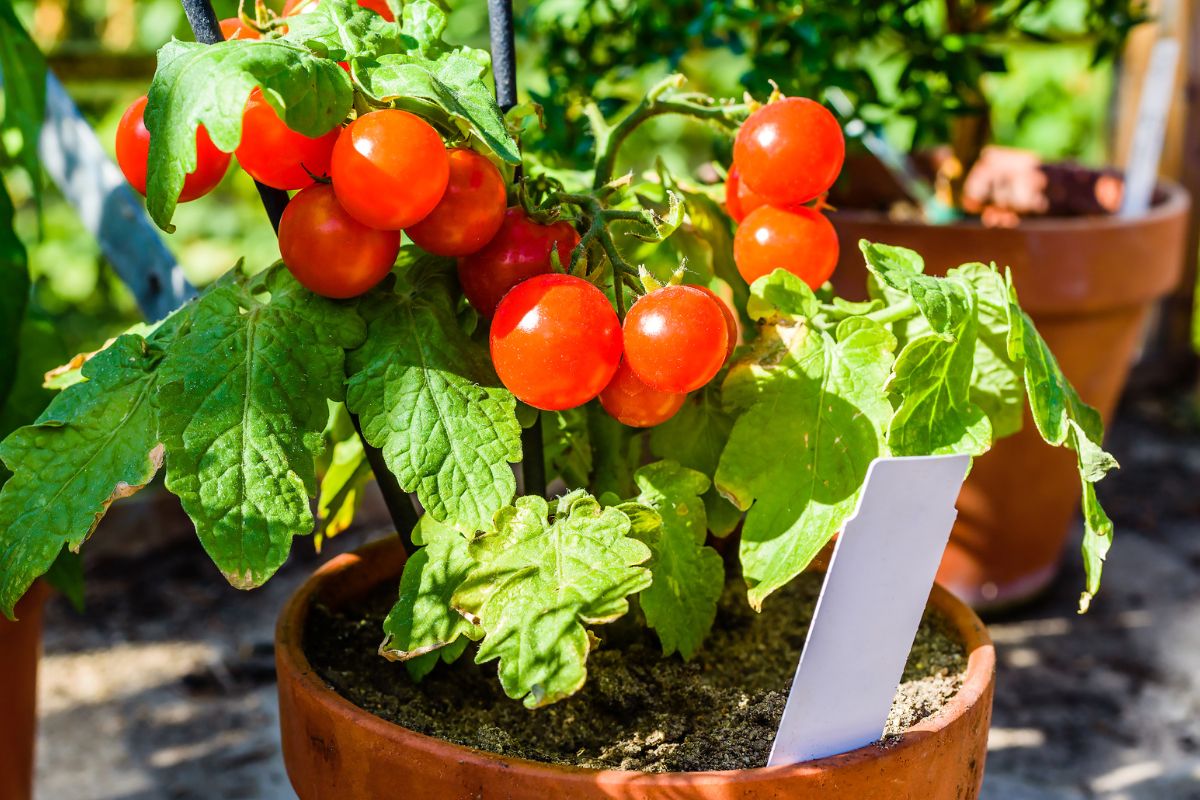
(1176, 201)
(290, 658)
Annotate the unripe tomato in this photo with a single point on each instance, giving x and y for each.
(380, 7)
(133, 149)
(519, 251)
(234, 28)
(274, 154)
(676, 338)
(328, 250)
(800, 240)
(790, 151)
(556, 341)
(731, 325)
(740, 199)
(470, 212)
(389, 169)
(633, 403)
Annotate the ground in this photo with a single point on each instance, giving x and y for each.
(163, 689)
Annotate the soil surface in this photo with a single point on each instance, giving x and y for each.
(638, 710)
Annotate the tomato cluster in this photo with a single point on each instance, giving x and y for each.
(787, 154)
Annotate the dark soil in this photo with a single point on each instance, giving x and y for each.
(639, 710)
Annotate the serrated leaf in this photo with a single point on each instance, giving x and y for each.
(800, 480)
(997, 383)
(23, 70)
(242, 406)
(342, 30)
(14, 287)
(423, 621)
(97, 442)
(942, 302)
(781, 295)
(426, 395)
(454, 83)
(538, 584)
(198, 84)
(688, 577)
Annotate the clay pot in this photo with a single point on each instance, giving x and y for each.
(20, 649)
(1090, 284)
(335, 750)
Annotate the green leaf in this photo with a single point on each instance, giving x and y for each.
(23, 73)
(454, 84)
(423, 621)
(781, 295)
(42, 348)
(681, 604)
(538, 584)
(14, 282)
(942, 302)
(208, 85)
(426, 395)
(695, 437)
(814, 414)
(96, 442)
(616, 449)
(997, 383)
(242, 409)
(342, 488)
(568, 448)
(342, 30)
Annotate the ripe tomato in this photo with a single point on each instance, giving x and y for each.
(389, 169)
(275, 154)
(519, 251)
(790, 151)
(380, 7)
(731, 325)
(556, 341)
(234, 28)
(676, 338)
(633, 403)
(740, 199)
(470, 212)
(800, 240)
(133, 148)
(328, 250)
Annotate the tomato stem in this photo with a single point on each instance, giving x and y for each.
(893, 313)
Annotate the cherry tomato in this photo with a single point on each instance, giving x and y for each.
(471, 211)
(389, 168)
(740, 199)
(731, 326)
(633, 403)
(380, 7)
(556, 341)
(790, 151)
(328, 250)
(800, 240)
(519, 251)
(133, 149)
(676, 338)
(234, 28)
(276, 155)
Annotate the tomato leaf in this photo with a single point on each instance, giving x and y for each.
(422, 627)
(242, 409)
(426, 395)
(342, 30)
(97, 442)
(208, 85)
(997, 382)
(539, 583)
(23, 74)
(801, 480)
(688, 577)
(342, 486)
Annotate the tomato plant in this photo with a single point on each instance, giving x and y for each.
(133, 149)
(274, 154)
(471, 210)
(519, 250)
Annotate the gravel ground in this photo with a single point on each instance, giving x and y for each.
(163, 689)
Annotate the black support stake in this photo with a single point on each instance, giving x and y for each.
(207, 30)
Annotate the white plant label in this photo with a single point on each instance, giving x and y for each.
(1145, 151)
(870, 607)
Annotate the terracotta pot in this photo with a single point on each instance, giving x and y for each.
(334, 750)
(1090, 284)
(20, 649)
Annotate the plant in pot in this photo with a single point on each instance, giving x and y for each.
(705, 460)
(922, 75)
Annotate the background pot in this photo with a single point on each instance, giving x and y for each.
(20, 649)
(1090, 284)
(335, 750)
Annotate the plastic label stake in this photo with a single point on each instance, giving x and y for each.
(870, 607)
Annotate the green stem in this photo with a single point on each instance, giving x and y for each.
(890, 314)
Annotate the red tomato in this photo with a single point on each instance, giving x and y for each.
(328, 250)
(470, 212)
(800, 240)
(740, 199)
(556, 341)
(389, 169)
(518, 252)
(633, 403)
(731, 326)
(790, 151)
(133, 149)
(676, 338)
(276, 155)
(234, 28)
(380, 7)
